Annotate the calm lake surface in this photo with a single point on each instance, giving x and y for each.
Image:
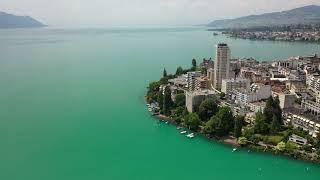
(71, 107)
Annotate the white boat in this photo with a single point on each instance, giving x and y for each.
(234, 149)
(167, 122)
(191, 135)
(178, 128)
(149, 109)
(183, 132)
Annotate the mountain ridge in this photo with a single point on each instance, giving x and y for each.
(303, 15)
(8, 21)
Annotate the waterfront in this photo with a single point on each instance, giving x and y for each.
(71, 106)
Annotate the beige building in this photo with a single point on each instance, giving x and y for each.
(229, 84)
(195, 98)
(221, 64)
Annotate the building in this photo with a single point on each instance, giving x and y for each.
(255, 93)
(287, 100)
(298, 118)
(191, 79)
(298, 140)
(195, 98)
(201, 83)
(180, 81)
(311, 106)
(221, 64)
(229, 84)
(257, 106)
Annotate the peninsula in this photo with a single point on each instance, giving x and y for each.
(271, 106)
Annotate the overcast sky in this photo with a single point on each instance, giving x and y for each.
(142, 12)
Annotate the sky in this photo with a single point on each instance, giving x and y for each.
(105, 13)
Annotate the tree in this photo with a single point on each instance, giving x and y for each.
(179, 71)
(242, 141)
(207, 109)
(221, 123)
(272, 108)
(192, 120)
(275, 126)
(167, 101)
(238, 123)
(260, 126)
(160, 100)
(268, 110)
(194, 63)
(180, 100)
(281, 146)
(154, 86)
(164, 72)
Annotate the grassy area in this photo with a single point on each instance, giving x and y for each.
(270, 139)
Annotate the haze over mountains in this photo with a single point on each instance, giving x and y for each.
(303, 15)
(13, 21)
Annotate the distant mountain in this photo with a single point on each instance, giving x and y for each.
(303, 15)
(12, 21)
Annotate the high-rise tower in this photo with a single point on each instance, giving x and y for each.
(221, 64)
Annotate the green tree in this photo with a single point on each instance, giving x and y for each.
(222, 95)
(221, 123)
(194, 63)
(179, 71)
(180, 100)
(192, 121)
(260, 126)
(242, 141)
(167, 101)
(154, 86)
(272, 108)
(281, 146)
(238, 123)
(207, 109)
(275, 126)
(268, 110)
(164, 72)
(160, 100)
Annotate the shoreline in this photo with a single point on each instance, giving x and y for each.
(232, 142)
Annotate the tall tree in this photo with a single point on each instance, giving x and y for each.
(272, 108)
(194, 63)
(221, 123)
(275, 126)
(260, 126)
(180, 100)
(167, 101)
(179, 71)
(238, 123)
(164, 72)
(192, 121)
(207, 109)
(160, 100)
(268, 110)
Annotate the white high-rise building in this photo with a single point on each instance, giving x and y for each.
(221, 64)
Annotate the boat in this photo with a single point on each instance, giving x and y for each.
(167, 122)
(191, 135)
(183, 132)
(234, 149)
(178, 128)
(149, 109)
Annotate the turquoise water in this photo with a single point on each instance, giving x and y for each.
(71, 107)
